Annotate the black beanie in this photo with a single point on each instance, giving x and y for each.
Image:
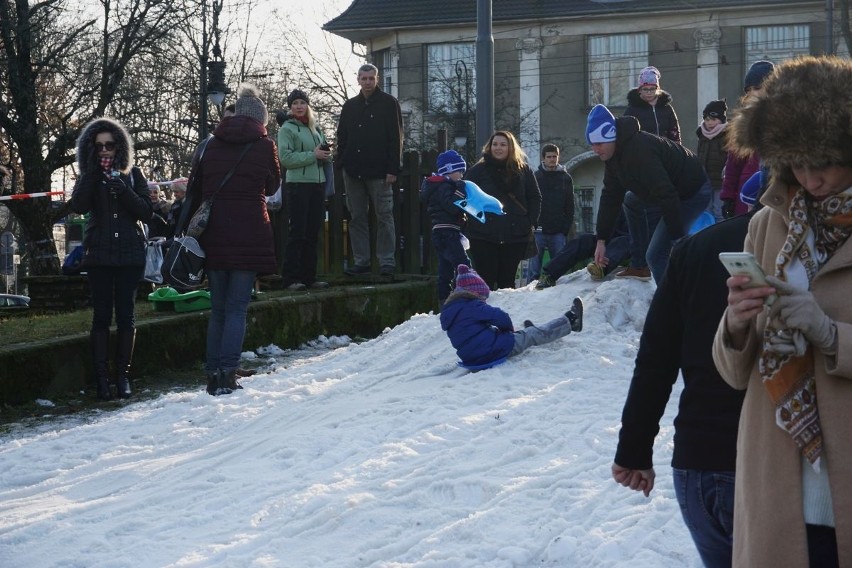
(297, 94)
(716, 109)
(755, 75)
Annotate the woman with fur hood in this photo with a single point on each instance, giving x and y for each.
(115, 195)
(789, 344)
(652, 106)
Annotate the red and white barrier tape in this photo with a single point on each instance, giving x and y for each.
(30, 195)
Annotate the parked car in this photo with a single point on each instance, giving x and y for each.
(13, 302)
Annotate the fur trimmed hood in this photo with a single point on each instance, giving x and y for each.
(87, 158)
(802, 118)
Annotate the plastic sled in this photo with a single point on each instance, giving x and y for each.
(168, 299)
(704, 220)
(482, 366)
(478, 203)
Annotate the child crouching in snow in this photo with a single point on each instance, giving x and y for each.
(484, 335)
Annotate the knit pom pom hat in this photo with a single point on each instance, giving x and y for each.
(297, 94)
(449, 162)
(601, 126)
(249, 104)
(649, 76)
(469, 281)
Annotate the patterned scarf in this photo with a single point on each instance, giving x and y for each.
(816, 230)
(106, 164)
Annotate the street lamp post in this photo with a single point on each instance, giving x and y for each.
(212, 87)
(461, 118)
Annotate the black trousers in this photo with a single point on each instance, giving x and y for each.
(497, 263)
(306, 210)
(114, 286)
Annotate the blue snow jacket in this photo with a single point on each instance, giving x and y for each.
(480, 333)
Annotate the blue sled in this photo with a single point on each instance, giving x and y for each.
(482, 366)
(478, 203)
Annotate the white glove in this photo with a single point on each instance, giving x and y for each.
(797, 309)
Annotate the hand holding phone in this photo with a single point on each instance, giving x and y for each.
(744, 264)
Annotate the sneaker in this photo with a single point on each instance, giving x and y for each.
(596, 271)
(318, 285)
(575, 315)
(296, 287)
(528, 323)
(643, 274)
(357, 270)
(544, 281)
(387, 270)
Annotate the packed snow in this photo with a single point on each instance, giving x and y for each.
(376, 454)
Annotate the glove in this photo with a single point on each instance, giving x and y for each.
(116, 186)
(728, 206)
(797, 309)
(158, 221)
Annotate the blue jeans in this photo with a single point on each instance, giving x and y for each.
(230, 294)
(658, 244)
(553, 243)
(450, 253)
(706, 500)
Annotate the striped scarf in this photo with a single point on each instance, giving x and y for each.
(815, 231)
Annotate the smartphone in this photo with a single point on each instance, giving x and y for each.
(325, 147)
(744, 264)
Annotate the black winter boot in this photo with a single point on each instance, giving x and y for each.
(99, 340)
(123, 357)
(218, 382)
(230, 379)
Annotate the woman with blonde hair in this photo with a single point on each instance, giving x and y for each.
(303, 151)
(499, 245)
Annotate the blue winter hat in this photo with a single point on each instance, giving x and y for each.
(750, 191)
(755, 75)
(601, 126)
(449, 162)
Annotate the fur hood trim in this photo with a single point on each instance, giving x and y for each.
(635, 99)
(87, 158)
(802, 118)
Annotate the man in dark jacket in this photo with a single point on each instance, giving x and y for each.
(677, 337)
(657, 172)
(369, 146)
(556, 219)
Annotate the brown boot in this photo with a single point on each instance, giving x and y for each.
(643, 274)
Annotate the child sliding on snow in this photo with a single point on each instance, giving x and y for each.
(483, 335)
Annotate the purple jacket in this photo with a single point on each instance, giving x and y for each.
(239, 234)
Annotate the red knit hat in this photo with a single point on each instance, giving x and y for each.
(470, 281)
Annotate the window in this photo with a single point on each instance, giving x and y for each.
(387, 71)
(776, 43)
(450, 82)
(614, 63)
(584, 217)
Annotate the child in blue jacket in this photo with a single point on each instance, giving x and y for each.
(439, 193)
(483, 335)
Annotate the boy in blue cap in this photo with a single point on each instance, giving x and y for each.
(439, 193)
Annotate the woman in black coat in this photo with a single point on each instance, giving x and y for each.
(500, 244)
(115, 195)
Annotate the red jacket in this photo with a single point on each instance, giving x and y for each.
(239, 234)
(737, 172)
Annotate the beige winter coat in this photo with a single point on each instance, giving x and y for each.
(769, 529)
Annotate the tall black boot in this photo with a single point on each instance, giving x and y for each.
(123, 357)
(99, 340)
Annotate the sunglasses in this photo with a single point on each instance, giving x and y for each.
(109, 146)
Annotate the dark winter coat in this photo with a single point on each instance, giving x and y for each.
(439, 194)
(677, 337)
(239, 234)
(519, 195)
(480, 333)
(659, 171)
(712, 155)
(557, 200)
(659, 119)
(113, 234)
(369, 136)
